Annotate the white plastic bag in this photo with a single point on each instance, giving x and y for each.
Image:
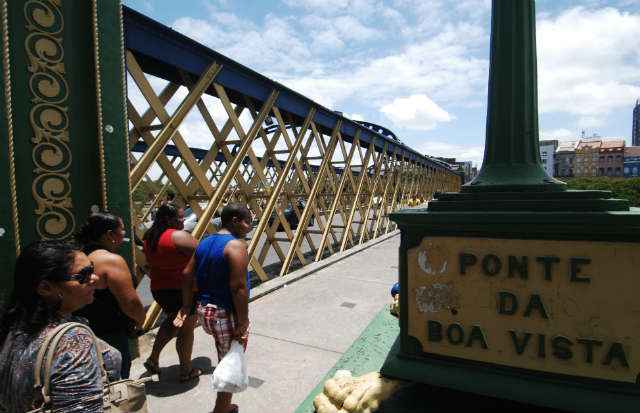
(230, 375)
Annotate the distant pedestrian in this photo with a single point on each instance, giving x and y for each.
(169, 198)
(168, 249)
(220, 268)
(52, 279)
(117, 312)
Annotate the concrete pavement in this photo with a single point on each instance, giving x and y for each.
(299, 330)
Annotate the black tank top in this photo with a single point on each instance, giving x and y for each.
(104, 313)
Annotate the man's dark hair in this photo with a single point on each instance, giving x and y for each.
(231, 211)
(171, 195)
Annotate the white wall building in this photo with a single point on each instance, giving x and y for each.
(547, 154)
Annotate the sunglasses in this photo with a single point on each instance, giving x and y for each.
(83, 276)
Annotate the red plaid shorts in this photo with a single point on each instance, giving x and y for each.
(220, 324)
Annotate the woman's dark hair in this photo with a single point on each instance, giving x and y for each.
(41, 260)
(166, 217)
(98, 224)
(231, 211)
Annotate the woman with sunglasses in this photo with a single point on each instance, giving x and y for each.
(168, 249)
(52, 279)
(117, 309)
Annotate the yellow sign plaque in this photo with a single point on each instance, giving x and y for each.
(567, 307)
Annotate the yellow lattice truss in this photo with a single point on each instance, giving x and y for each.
(341, 191)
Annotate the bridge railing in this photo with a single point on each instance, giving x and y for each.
(316, 182)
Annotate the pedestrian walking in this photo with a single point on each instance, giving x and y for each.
(52, 279)
(219, 269)
(117, 312)
(168, 249)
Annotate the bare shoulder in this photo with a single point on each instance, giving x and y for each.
(236, 245)
(183, 237)
(235, 248)
(104, 257)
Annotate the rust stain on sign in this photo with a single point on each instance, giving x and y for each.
(436, 297)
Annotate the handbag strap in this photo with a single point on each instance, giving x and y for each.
(47, 352)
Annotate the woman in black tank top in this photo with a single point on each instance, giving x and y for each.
(116, 309)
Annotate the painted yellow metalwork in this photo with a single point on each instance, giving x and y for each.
(216, 198)
(51, 187)
(573, 311)
(271, 171)
(318, 182)
(372, 192)
(277, 188)
(338, 196)
(170, 128)
(356, 199)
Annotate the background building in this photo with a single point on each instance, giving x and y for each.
(611, 159)
(632, 161)
(635, 131)
(547, 154)
(564, 159)
(587, 157)
(467, 168)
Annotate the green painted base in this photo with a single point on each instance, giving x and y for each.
(511, 199)
(377, 349)
(558, 391)
(615, 226)
(520, 387)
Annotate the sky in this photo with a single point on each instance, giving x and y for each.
(420, 68)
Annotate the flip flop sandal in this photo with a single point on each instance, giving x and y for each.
(234, 410)
(151, 367)
(192, 374)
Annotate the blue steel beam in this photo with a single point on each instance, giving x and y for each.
(199, 154)
(165, 53)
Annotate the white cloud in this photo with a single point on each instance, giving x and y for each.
(329, 50)
(473, 153)
(442, 67)
(360, 8)
(591, 121)
(354, 116)
(352, 29)
(415, 112)
(588, 63)
(275, 46)
(561, 134)
(295, 50)
(330, 6)
(327, 40)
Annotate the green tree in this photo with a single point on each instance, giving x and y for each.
(621, 187)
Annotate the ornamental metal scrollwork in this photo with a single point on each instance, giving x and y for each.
(48, 117)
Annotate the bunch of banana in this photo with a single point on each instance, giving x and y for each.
(345, 393)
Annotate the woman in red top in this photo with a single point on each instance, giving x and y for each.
(168, 250)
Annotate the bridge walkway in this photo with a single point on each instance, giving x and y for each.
(298, 332)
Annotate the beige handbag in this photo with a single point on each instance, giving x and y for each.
(126, 395)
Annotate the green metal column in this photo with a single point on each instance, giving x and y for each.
(512, 156)
(63, 121)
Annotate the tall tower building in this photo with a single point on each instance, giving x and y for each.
(635, 132)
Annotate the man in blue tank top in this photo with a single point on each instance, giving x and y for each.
(219, 268)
